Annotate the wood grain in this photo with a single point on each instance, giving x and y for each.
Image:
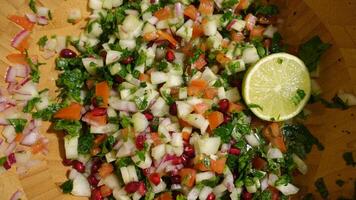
(333, 20)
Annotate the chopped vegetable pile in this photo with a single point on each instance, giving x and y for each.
(150, 102)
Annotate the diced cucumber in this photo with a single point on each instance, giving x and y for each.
(71, 146)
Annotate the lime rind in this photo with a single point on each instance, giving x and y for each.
(273, 83)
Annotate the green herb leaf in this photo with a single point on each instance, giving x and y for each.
(181, 197)
(141, 103)
(321, 187)
(71, 83)
(67, 186)
(47, 113)
(123, 162)
(224, 132)
(107, 145)
(196, 56)
(229, 3)
(311, 51)
(19, 124)
(141, 155)
(71, 127)
(85, 143)
(276, 45)
(267, 10)
(42, 41)
(31, 104)
(125, 121)
(32, 5)
(3, 160)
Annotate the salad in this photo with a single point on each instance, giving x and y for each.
(149, 98)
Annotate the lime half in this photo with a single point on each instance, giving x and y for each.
(277, 87)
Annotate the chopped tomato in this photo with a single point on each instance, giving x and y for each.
(187, 49)
(275, 193)
(99, 139)
(72, 112)
(150, 36)
(37, 147)
(156, 139)
(210, 93)
(102, 90)
(19, 137)
(90, 83)
(105, 170)
(259, 163)
(201, 107)
(163, 13)
(188, 176)
(25, 44)
(196, 87)
(201, 167)
(165, 196)
(100, 120)
(215, 119)
(257, 32)
(144, 77)
(200, 63)
(225, 43)
(191, 12)
(95, 151)
(279, 143)
(222, 59)
(206, 7)
(22, 21)
(218, 165)
(183, 123)
(185, 135)
(237, 36)
(105, 191)
(198, 30)
(250, 21)
(273, 134)
(166, 36)
(233, 107)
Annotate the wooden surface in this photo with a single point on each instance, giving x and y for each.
(333, 21)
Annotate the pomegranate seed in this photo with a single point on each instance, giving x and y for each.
(185, 160)
(227, 118)
(155, 178)
(140, 142)
(176, 179)
(146, 171)
(148, 116)
(132, 187)
(67, 162)
(246, 195)
(176, 160)
(11, 158)
(119, 79)
(7, 165)
(173, 109)
(67, 53)
(79, 166)
(96, 194)
(93, 181)
(234, 151)
(223, 105)
(96, 165)
(189, 151)
(142, 188)
(99, 111)
(170, 57)
(127, 60)
(211, 196)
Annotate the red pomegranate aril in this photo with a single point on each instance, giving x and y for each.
(155, 178)
(11, 158)
(7, 165)
(67, 53)
(246, 195)
(173, 109)
(227, 118)
(141, 188)
(127, 60)
(93, 181)
(148, 116)
(132, 187)
(118, 79)
(176, 179)
(211, 196)
(234, 151)
(177, 160)
(223, 105)
(189, 151)
(96, 165)
(67, 162)
(96, 194)
(140, 142)
(79, 166)
(170, 57)
(99, 111)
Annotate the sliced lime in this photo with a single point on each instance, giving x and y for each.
(277, 87)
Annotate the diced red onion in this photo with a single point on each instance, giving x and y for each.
(10, 148)
(30, 139)
(30, 127)
(22, 35)
(42, 20)
(31, 17)
(10, 75)
(250, 21)
(178, 9)
(6, 103)
(229, 26)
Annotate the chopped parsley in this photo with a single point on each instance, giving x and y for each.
(196, 56)
(19, 124)
(31, 104)
(42, 41)
(141, 103)
(67, 186)
(85, 143)
(47, 113)
(125, 121)
(70, 127)
(32, 5)
(229, 3)
(123, 162)
(321, 187)
(71, 83)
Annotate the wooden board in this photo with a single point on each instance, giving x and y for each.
(333, 21)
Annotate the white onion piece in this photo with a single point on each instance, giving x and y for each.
(10, 75)
(274, 153)
(42, 12)
(42, 20)
(6, 103)
(9, 133)
(22, 35)
(31, 17)
(30, 139)
(122, 105)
